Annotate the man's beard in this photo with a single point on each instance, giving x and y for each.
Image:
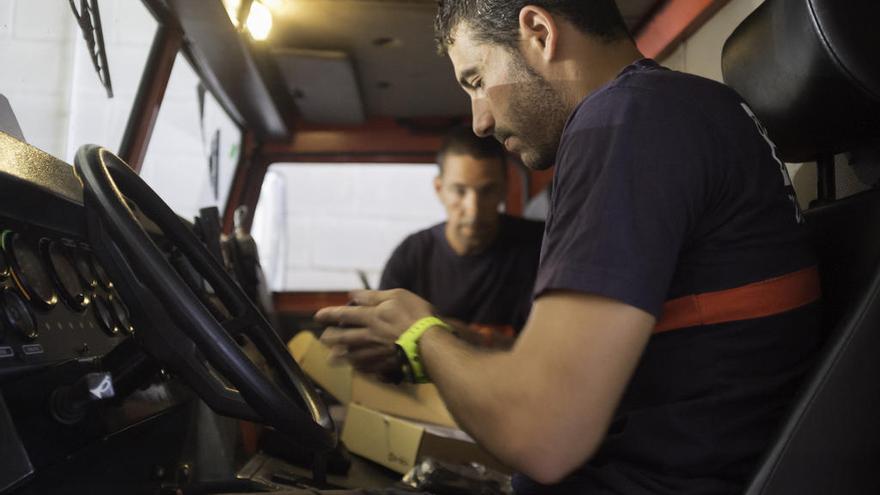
(537, 116)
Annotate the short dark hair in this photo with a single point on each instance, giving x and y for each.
(462, 141)
(497, 21)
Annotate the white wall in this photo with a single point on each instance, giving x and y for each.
(701, 54)
(47, 74)
(36, 61)
(176, 164)
(128, 33)
(336, 219)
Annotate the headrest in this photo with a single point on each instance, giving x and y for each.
(810, 70)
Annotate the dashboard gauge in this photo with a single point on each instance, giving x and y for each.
(123, 319)
(17, 315)
(84, 268)
(101, 275)
(28, 271)
(105, 315)
(65, 276)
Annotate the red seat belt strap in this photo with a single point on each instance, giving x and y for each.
(764, 298)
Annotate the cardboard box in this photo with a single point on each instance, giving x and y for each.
(314, 358)
(399, 444)
(394, 425)
(418, 402)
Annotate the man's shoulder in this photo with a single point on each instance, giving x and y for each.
(656, 90)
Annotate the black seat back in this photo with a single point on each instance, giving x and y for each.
(831, 441)
(810, 71)
(846, 236)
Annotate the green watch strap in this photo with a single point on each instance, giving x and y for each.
(408, 342)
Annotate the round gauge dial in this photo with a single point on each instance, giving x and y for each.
(65, 275)
(105, 315)
(123, 319)
(84, 268)
(101, 275)
(28, 271)
(17, 315)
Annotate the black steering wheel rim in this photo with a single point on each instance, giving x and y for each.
(293, 406)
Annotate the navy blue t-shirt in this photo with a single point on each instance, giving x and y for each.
(492, 288)
(667, 186)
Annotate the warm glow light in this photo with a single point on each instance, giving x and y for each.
(232, 7)
(274, 5)
(259, 21)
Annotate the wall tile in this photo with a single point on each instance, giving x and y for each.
(6, 18)
(44, 20)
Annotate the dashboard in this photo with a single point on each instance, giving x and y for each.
(57, 302)
(63, 322)
(90, 398)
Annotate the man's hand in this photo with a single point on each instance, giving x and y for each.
(372, 326)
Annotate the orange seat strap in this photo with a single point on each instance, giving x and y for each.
(756, 300)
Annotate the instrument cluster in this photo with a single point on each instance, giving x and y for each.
(56, 300)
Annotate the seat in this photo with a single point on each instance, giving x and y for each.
(810, 71)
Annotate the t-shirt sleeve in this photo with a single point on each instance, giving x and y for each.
(631, 180)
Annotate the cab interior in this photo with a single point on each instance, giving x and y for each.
(180, 192)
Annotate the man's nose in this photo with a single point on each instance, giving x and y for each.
(484, 123)
(476, 204)
(471, 204)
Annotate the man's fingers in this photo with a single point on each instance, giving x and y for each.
(343, 340)
(365, 358)
(388, 365)
(359, 347)
(376, 359)
(372, 297)
(350, 337)
(345, 315)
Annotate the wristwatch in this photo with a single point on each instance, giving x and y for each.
(408, 347)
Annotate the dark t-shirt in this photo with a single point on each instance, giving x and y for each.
(666, 186)
(492, 288)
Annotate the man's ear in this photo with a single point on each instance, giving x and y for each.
(538, 32)
(438, 185)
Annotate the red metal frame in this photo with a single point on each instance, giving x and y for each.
(306, 303)
(151, 91)
(673, 22)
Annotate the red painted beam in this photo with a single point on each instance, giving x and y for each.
(148, 100)
(307, 303)
(672, 23)
(376, 136)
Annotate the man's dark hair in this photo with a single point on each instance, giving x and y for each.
(497, 21)
(462, 141)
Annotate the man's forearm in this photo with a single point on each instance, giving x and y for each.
(467, 333)
(481, 390)
(543, 407)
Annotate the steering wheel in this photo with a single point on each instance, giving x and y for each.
(175, 325)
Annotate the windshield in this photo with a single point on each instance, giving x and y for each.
(193, 152)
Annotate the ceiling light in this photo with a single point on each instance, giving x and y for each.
(259, 21)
